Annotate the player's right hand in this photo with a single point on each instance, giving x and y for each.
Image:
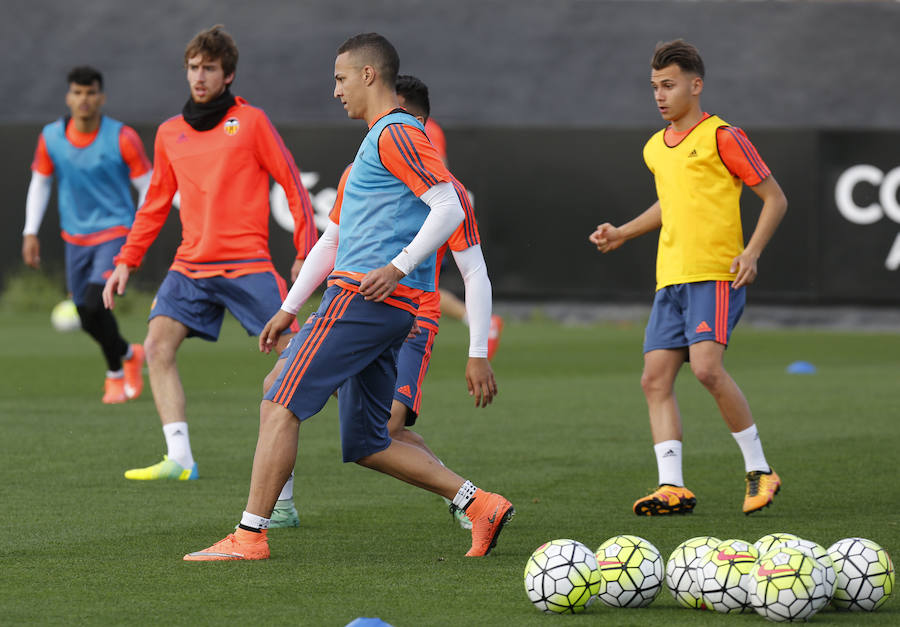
(31, 251)
(606, 238)
(115, 284)
(268, 338)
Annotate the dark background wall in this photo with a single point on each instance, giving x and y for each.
(489, 62)
(546, 107)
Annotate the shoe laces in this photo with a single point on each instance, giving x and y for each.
(753, 480)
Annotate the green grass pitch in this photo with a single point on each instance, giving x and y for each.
(567, 441)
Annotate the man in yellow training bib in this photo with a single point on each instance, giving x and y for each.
(699, 164)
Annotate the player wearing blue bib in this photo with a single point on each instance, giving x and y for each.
(96, 161)
(398, 207)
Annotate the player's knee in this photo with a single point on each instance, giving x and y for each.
(655, 383)
(157, 350)
(91, 303)
(708, 373)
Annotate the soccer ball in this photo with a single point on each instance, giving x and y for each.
(561, 577)
(631, 571)
(865, 574)
(771, 540)
(820, 554)
(787, 584)
(723, 573)
(64, 317)
(682, 562)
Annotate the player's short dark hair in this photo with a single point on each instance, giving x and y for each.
(378, 52)
(680, 53)
(415, 95)
(214, 43)
(85, 75)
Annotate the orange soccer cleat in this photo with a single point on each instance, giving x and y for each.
(665, 500)
(240, 545)
(761, 490)
(489, 513)
(114, 391)
(134, 372)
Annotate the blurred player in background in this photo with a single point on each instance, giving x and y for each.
(96, 160)
(218, 154)
(399, 206)
(699, 163)
(450, 304)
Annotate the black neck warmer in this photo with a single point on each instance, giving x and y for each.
(204, 116)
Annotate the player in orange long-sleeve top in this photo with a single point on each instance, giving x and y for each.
(218, 155)
(96, 160)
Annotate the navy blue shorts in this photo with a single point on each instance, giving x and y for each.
(89, 264)
(688, 313)
(412, 365)
(350, 345)
(200, 304)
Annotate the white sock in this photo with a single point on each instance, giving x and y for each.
(465, 494)
(253, 521)
(115, 374)
(751, 447)
(179, 443)
(287, 492)
(668, 462)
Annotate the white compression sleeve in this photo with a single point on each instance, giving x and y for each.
(316, 267)
(445, 215)
(478, 297)
(142, 184)
(36, 202)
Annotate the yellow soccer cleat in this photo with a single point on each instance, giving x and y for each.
(665, 500)
(166, 469)
(761, 490)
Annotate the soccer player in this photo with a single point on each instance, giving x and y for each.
(96, 160)
(219, 154)
(399, 205)
(699, 163)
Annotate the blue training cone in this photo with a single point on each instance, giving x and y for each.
(801, 367)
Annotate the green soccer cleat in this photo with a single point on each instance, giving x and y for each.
(166, 469)
(458, 515)
(284, 515)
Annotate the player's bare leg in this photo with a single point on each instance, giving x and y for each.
(276, 453)
(762, 483)
(658, 382)
(164, 337)
(398, 431)
(285, 512)
(707, 365)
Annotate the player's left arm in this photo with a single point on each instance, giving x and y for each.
(479, 374)
(773, 210)
(741, 158)
(407, 154)
(275, 158)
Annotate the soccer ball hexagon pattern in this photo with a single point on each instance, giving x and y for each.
(865, 574)
(561, 577)
(723, 573)
(787, 584)
(631, 571)
(680, 566)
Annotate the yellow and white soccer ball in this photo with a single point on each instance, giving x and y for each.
(680, 566)
(787, 584)
(631, 571)
(723, 573)
(865, 574)
(820, 554)
(561, 577)
(64, 317)
(771, 540)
